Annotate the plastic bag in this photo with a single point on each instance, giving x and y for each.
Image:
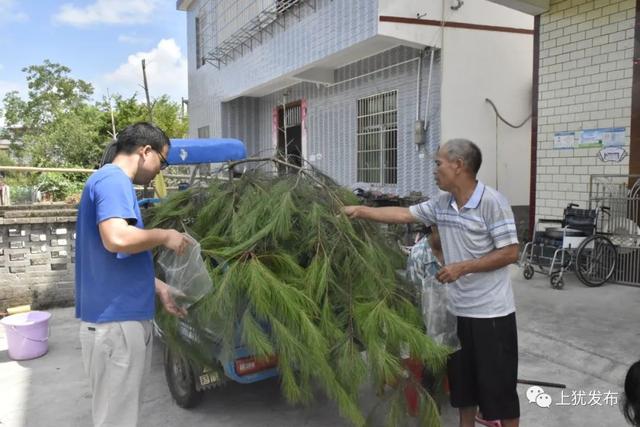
(187, 273)
(422, 267)
(442, 326)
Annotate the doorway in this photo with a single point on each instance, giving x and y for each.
(289, 145)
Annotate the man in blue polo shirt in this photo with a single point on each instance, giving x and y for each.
(115, 280)
(479, 241)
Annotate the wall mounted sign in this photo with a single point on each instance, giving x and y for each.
(612, 154)
(564, 140)
(608, 137)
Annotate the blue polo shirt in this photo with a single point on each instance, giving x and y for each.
(110, 287)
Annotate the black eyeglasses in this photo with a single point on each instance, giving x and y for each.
(163, 161)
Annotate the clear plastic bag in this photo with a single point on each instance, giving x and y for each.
(442, 326)
(422, 267)
(186, 273)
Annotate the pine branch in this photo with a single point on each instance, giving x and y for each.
(294, 278)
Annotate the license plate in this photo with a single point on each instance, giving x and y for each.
(209, 378)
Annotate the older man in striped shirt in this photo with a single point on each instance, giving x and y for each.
(479, 241)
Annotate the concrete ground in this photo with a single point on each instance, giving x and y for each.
(582, 337)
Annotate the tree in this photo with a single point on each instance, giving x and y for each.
(166, 114)
(14, 109)
(72, 140)
(59, 125)
(51, 93)
(56, 125)
(126, 111)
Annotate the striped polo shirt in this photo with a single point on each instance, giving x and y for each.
(483, 224)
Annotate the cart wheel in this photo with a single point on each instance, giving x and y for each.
(180, 379)
(556, 281)
(528, 271)
(595, 260)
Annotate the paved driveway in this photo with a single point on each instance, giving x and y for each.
(582, 337)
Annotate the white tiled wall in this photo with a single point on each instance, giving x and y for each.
(586, 66)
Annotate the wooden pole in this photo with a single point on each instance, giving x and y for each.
(146, 90)
(38, 169)
(113, 120)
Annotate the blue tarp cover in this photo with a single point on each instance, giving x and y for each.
(210, 150)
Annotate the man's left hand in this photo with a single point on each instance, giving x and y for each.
(165, 294)
(450, 273)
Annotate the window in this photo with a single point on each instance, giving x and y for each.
(198, 43)
(200, 54)
(203, 132)
(378, 139)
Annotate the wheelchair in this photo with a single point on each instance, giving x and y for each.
(570, 244)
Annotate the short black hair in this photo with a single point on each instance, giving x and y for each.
(134, 136)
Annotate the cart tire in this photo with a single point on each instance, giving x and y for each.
(557, 282)
(595, 260)
(181, 380)
(527, 272)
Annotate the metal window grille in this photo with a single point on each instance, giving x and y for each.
(377, 136)
(293, 116)
(205, 31)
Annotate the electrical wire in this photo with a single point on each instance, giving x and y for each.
(505, 120)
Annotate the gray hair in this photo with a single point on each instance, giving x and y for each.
(464, 150)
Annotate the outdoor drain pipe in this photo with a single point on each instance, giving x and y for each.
(418, 137)
(428, 101)
(418, 87)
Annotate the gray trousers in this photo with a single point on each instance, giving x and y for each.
(116, 357)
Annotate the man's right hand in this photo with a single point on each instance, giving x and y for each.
(176, 241)
(352, 211)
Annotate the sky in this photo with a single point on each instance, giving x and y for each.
(101, 41)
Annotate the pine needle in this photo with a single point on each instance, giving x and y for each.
(295, 278)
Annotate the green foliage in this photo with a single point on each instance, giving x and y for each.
(57, 184)
(13, 112)
(298, 279)
(166, 115)
(72, 140)
(5, 159)
(127, 111)
(51, 92)
(59, 126)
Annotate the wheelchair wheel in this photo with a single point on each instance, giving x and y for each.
(595, 260)
(527, 272)
(556, 281)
